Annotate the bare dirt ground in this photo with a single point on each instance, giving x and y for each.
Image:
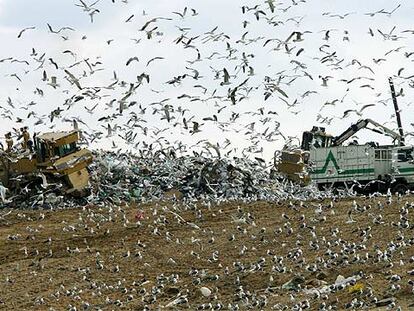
(107, 257)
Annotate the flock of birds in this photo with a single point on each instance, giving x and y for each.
(180, 82)
(212, 96)
(211, 256)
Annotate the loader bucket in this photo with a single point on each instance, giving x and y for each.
(292, 166)
(78, 180)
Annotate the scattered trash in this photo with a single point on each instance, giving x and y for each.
(171, 261)
(139, 215)
(206, 292)
(358, 287)
(339, 279)
(340, 283)
(294, 283)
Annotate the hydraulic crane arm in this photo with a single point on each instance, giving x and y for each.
(386, 131)
(354, 128)
(397, 110)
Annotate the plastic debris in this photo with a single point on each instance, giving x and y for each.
(358, 287)
(206, 292)
(340, 283)
(294, 283)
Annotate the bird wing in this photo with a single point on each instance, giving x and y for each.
(83, 4)
(74, 79)
(282, 92)
(50, 28)
(366, 106)
(152, 59)
(226, 75)
(147, 23)
(132, 59)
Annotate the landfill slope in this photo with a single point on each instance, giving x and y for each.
(136, 257)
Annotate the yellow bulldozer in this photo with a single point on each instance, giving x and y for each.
(53, 159)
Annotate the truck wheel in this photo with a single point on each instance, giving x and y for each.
(399, 188)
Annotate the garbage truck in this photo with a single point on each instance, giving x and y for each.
(54, 161)
(325, 159)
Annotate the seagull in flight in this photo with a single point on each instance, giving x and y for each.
(87, 8)
(23, 30)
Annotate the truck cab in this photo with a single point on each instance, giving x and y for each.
(316, 138)
(403, 166)
(52, 146)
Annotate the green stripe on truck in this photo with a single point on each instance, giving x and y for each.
(406, 169)
(341, 173)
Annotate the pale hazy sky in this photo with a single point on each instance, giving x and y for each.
(340, 59)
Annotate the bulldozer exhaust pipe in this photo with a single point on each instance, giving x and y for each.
(397, 110)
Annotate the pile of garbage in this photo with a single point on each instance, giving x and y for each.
(160, 175)
(187, 177)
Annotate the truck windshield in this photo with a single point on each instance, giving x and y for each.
(63, 150)
(319, 141)
(405, 155)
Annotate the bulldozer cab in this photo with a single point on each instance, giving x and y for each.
(55, 157)
(52, 146)
(316, 138)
